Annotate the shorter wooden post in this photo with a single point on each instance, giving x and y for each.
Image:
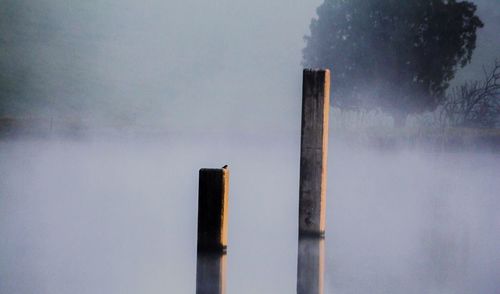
(310, 265)
(212, 210)
(313, 151)
(212, 231)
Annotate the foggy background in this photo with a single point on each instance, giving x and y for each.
(180, 65)
(98, 215)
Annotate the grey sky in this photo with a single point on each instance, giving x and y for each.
(230, 65)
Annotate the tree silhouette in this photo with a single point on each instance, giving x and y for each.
(398, 56)
(474, 103)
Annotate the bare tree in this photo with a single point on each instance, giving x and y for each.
(474, 104)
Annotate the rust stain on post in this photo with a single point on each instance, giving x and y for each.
(213, 210)
(313, 153)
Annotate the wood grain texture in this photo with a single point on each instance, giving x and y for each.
(313, 152)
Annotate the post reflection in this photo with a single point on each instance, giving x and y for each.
(211, 273)
(310, 266)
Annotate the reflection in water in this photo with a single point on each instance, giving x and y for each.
(64, 205)
(211, 273)
(311, 265)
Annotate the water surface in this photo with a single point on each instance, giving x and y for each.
(119, 216)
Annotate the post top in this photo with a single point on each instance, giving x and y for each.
(316, 70)
(208, 170)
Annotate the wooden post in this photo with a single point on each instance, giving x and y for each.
(212, 231)
(212, 210)
(313, 151)
(310, 265)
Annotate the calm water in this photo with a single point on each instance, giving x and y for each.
(119, 216)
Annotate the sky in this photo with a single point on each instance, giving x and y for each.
(488, 42)
(188, 65)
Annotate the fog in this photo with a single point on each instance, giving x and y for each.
(120, 217)
(180, 65)
(115, 212)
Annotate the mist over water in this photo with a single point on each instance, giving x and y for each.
(412, 222)
(119, 216)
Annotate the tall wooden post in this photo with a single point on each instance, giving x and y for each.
(212, 230)
(313, 151)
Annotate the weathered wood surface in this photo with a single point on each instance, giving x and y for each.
(212, 210)
(313, 151)
(212, 230)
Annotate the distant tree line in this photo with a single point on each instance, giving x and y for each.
(395, 56)
(20, 23)
(44, 68)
